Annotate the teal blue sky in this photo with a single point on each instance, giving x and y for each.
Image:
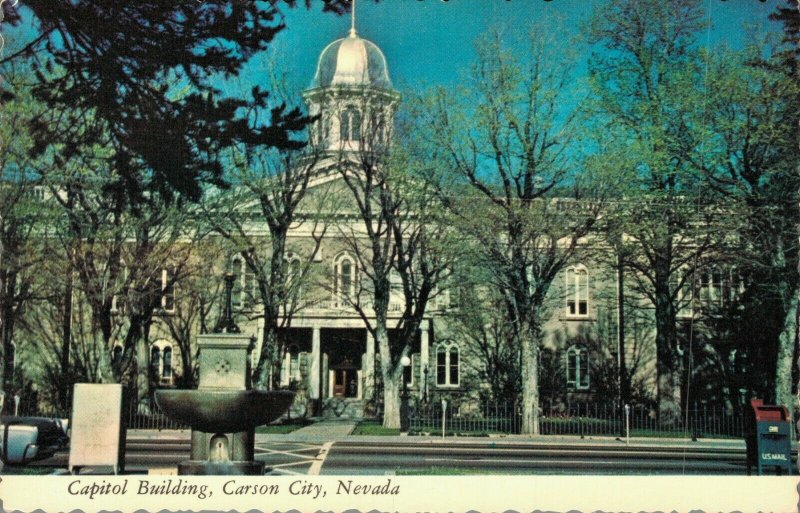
(430, 41)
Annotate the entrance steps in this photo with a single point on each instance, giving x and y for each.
(343, 408)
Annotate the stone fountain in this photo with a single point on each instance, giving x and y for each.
(223, 412)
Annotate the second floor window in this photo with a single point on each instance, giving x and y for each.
(244, 290)
(577, 291)
(168, 290)
(344, 277)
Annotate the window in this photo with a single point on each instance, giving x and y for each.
(577, 291)
(293, 274)
(244, 285)
(717, 286)
(379, 128)
(344, 278)
(324, 130)
(118, 299)
(166, 369)
(350, 125)
(447, 365)
(578, 368)
(161, 361)
(682, 282)
(168, 290)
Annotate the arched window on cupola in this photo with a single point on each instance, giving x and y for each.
(350, 125)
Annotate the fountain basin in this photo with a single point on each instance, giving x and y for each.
(224, 411)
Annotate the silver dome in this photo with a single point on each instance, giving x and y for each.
(352, 61)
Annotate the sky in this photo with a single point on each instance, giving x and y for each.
(430, 42)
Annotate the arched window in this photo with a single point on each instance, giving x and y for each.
(379, 128)
(577, 291)
(161, 361)
(345, 276)
(155, 361)
(166, 369)
(350, 125)
(323, 130)
(293, 273)
(578, 368)
(243, 294)
(448, 365)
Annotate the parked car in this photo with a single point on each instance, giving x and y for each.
(26, 439)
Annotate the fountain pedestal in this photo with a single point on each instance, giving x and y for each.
(223, 412)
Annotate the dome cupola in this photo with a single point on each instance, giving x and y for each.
(352, 61)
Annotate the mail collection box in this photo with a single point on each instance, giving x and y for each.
(768, 437)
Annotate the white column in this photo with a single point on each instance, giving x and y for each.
(423, 356)
(315, 364)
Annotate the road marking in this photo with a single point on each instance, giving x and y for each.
(281, 468)
(320, 459)
(268, 452)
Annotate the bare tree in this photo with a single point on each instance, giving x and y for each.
(507, 139)
(271, 186)
(395, 237)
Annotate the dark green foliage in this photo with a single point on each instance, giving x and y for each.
(111, 68)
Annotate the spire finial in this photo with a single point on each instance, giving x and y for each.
(353, 18)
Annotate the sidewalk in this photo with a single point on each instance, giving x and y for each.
(323, 431)
(340, 431)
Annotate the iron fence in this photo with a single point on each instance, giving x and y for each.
(582, 419)
(136, 418)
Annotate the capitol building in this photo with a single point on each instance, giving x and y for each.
(329, 354)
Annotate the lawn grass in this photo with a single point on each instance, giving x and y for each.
(374, 428)
(283, 427)
(443, 471)
(31, 470)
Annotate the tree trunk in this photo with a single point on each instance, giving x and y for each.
(391, 383)
(783, 368)
(66, 336)
(391, 403)
(3, 319)
(7, 330)
(261, 378)
(668, 390)
(530, 383)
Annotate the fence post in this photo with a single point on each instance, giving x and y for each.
(444, 408)
(627, 424)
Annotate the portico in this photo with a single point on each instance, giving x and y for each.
(340, 357)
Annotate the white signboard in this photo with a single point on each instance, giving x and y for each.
(96, 426)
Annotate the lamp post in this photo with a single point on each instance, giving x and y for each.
(425, 384)
(405, 361)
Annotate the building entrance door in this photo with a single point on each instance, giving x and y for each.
(345, 382)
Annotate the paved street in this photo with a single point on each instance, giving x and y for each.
(332, 450)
